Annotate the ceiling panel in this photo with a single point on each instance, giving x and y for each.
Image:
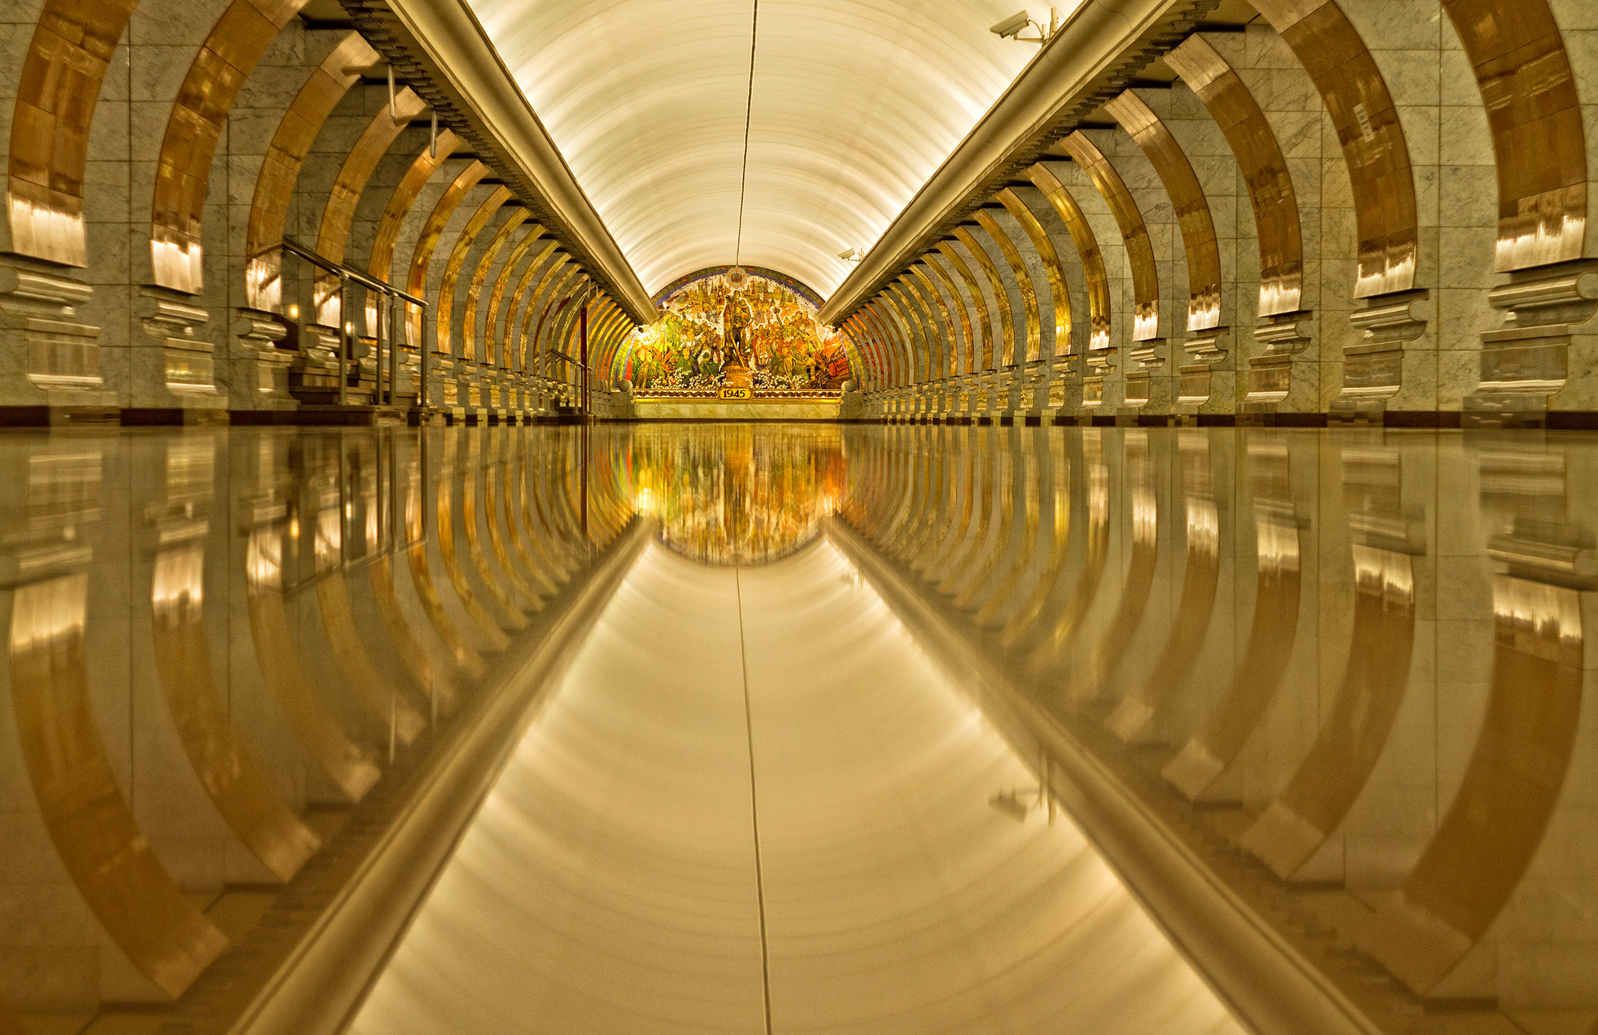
(853, 106)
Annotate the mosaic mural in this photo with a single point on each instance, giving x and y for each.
(737, 494)
(735, 328)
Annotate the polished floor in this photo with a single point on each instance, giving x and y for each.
(871, 729)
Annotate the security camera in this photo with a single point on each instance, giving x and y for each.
(1011, 27)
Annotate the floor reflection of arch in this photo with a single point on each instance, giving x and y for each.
(1060, 489)
(1104, 656)
(232, 778)
(88, 818)
(1487, 838)
(1270, 643)
(380, 700)
(1095, 488)
(465, 655)
(956, 494)
(493, 480)
(1324, 787)
(933, 517)
(345, 763)
(1200, 576)
(438, 686)
(1021, 472)
(492, 633)
(527, 497)
(1089, 679)
(474, 539)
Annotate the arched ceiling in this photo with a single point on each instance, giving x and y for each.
(853, 105)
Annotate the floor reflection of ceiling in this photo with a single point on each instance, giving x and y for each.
(753, 797)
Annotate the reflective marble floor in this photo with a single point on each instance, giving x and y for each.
(798, 728)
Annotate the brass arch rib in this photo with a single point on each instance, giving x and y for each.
(1021, 351)
(960, 362)
(1087, 249)
(444, 319)
(855, 328)
(916, 323)
(612, 325)
(887, 334)
(992, 360)
(563, 331)
(380, 263)
(280, 170)
(956, 324)
(550, 307)
(1134, 233)
(938, 324)
(379, 135)
(1044, 247)
(57, 91)
(183, 167)
(1356, 96)
(89, 820)
(496, 296)
(1259, 158)
(403, 198)
(1187, 198)
(427, 242)
(338, 214)
(544, 256)
(509, 340)
(1518, 54)
(474, 289)
(884, 345)
(974, 360)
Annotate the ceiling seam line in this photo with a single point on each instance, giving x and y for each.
(749, 109)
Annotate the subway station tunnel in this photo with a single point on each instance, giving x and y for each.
(525, 516)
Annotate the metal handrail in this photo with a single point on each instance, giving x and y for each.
(366, 280)
(395, 296)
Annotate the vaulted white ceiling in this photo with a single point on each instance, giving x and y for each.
(853, 106)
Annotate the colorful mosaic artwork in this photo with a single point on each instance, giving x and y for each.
(735, 494)
(735, 329)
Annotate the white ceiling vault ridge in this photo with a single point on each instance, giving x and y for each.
(853, 106)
